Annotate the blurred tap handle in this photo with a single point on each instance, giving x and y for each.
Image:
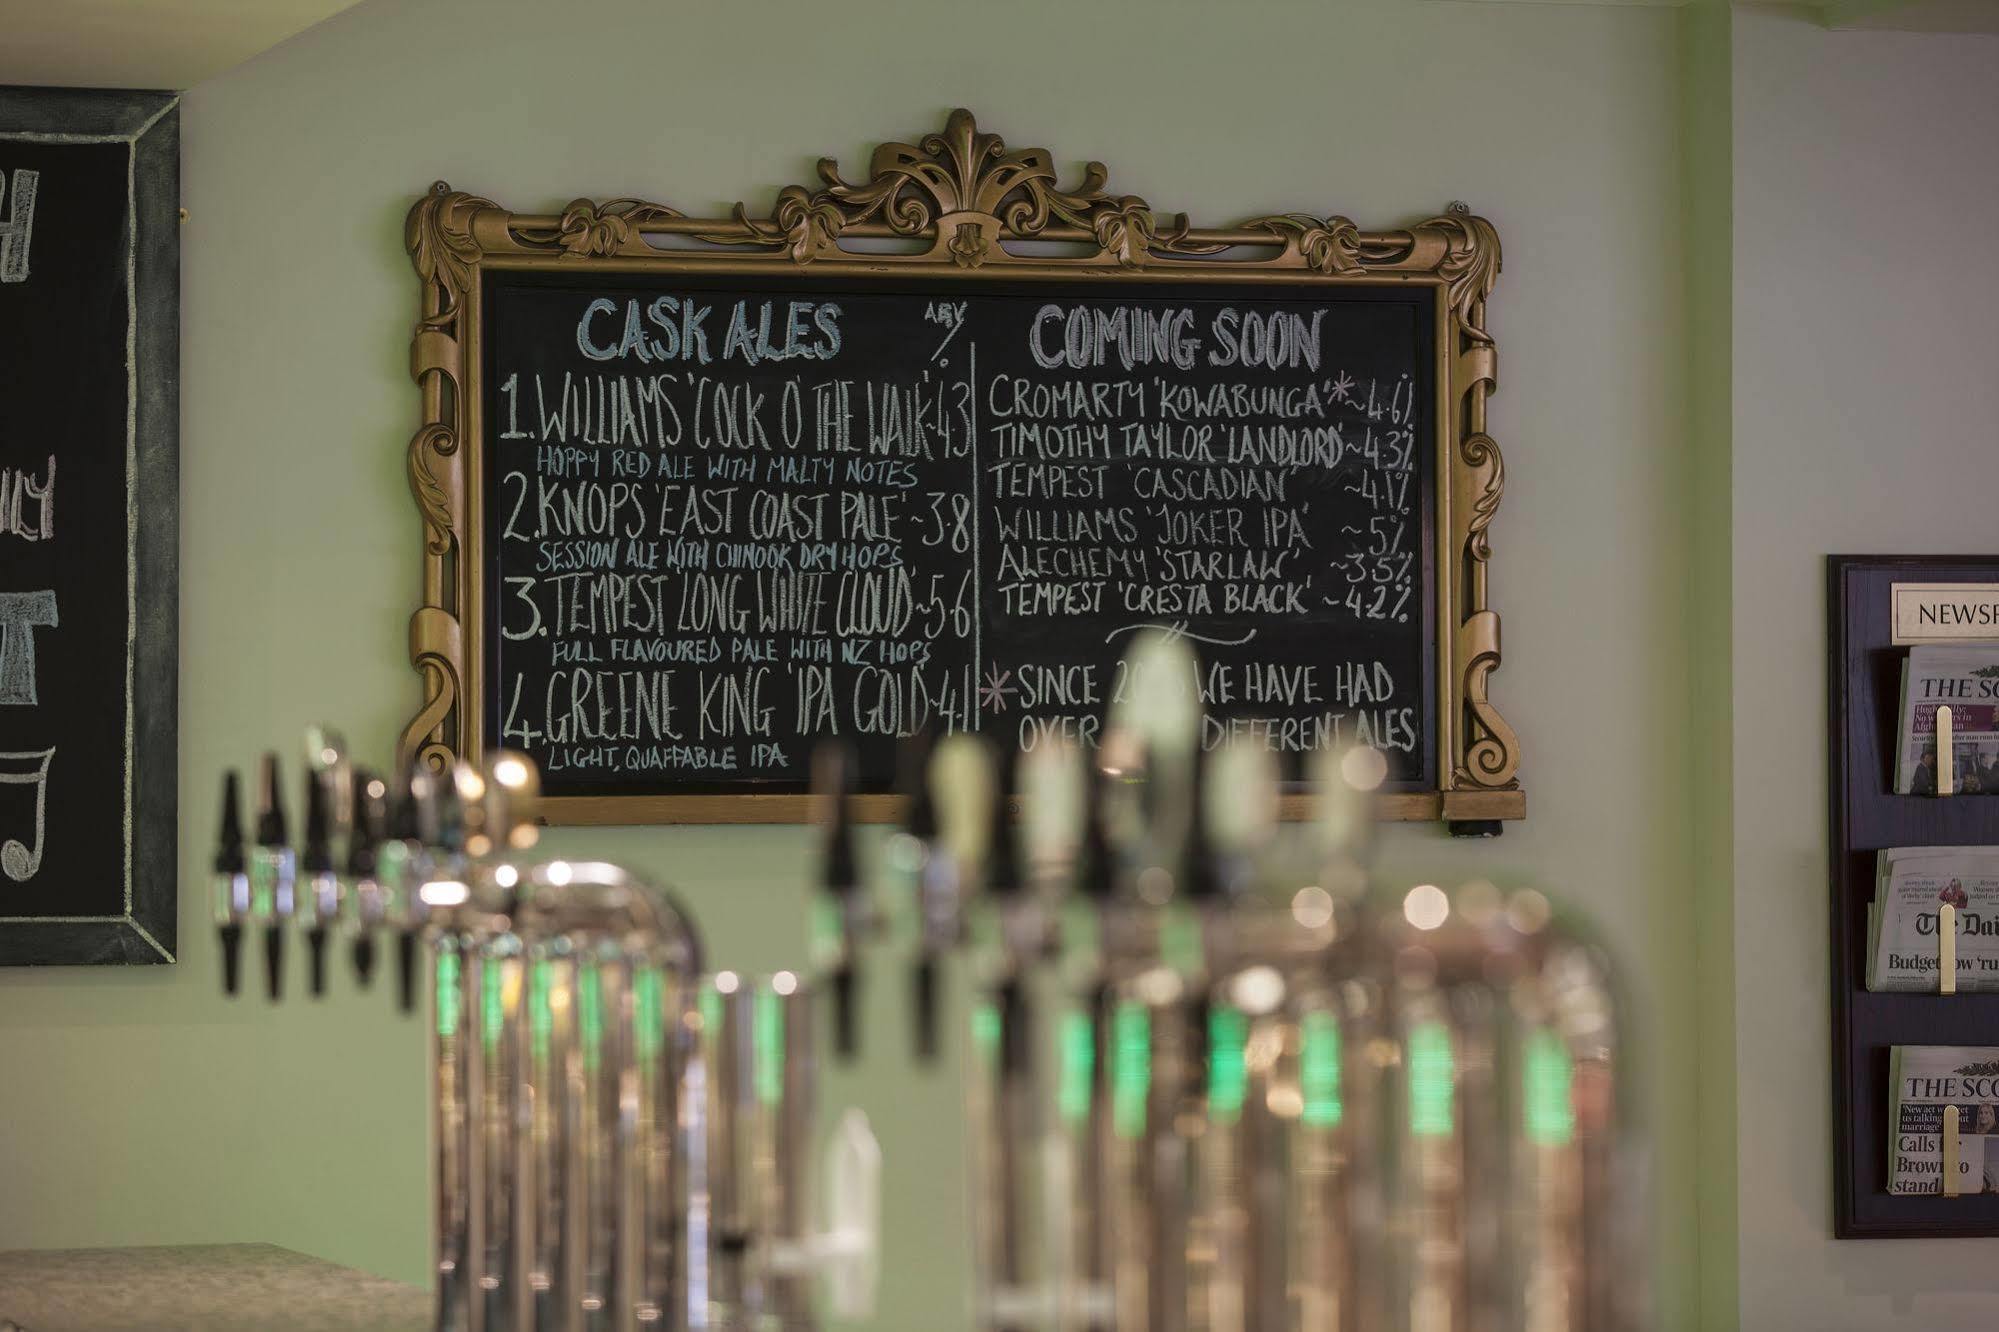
(1096, 867)
(961, 784)
(1346, 781)
(1199, 878)
(274, 872)
(370, 804)
(442, 805)
(508, 806)
(369, 797)
(1239, 810)
(416, 828)
(326, 754)
(232, 882)
(914, 858)
(839, 918)
(321, 897)
(1054, 805)
(271, 833)
(1153, 740)
(958, 784)
(919, 816)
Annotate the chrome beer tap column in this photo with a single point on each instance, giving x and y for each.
(1154, 960)
(1003, 1081)
(1079, 1236)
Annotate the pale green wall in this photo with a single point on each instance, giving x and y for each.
(1707, 126)
(1864, 403)
(140, 1107)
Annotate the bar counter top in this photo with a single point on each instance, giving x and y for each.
(199, 1288)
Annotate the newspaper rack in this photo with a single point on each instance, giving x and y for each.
(1866, 815)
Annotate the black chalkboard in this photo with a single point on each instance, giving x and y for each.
(89, 314)
(724, 519)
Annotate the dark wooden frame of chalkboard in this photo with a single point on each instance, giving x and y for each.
(147, 931)
(1863, 692)
(963, 208)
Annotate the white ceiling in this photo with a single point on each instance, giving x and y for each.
(172, 44)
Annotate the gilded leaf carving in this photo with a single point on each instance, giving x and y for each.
(438, 236)
(1481, 454)
(593, 231)
(1470, 266)
(436, 650)
(433, 501)
(1327, 245)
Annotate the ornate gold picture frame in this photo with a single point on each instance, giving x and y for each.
(965, 207)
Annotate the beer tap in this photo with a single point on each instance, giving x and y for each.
(1003, 1085)
(844, 916)
(232, 884)
(958, 789)
(1236, 988)
(273, 874)
(1073, 859)
(1154, 959)
(915, 860)
(404, 864)
(369, 897)
(319, 903)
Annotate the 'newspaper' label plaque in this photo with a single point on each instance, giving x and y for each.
(1945, 612)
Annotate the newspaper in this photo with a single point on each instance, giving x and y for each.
(1924, 1079)
(1911, 883)
(1966, 677)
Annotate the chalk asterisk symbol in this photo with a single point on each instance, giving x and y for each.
(997, 689)
(1343, 388)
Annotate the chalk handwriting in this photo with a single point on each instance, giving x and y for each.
(21, 613)
(17, 229)
(17, 861)
(728, 526)
(28, 509)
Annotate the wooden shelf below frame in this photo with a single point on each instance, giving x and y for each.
(1396, 807)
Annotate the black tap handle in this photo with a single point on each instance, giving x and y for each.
(1199, 879)
(229, 844)
(919, 818)
(370, 824)
(925, 984)
(840, 881)
(364, 958)
(1014, 1051)
(274, 960)
(406, 942)
(846, 981)
(833, 782)
(232, 958)
(317, 855)
(315, 943)
(270, 804)
(1003, 877)
(1095, 879)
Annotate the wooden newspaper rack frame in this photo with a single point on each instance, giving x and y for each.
(1864, 815)
(966, 208)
